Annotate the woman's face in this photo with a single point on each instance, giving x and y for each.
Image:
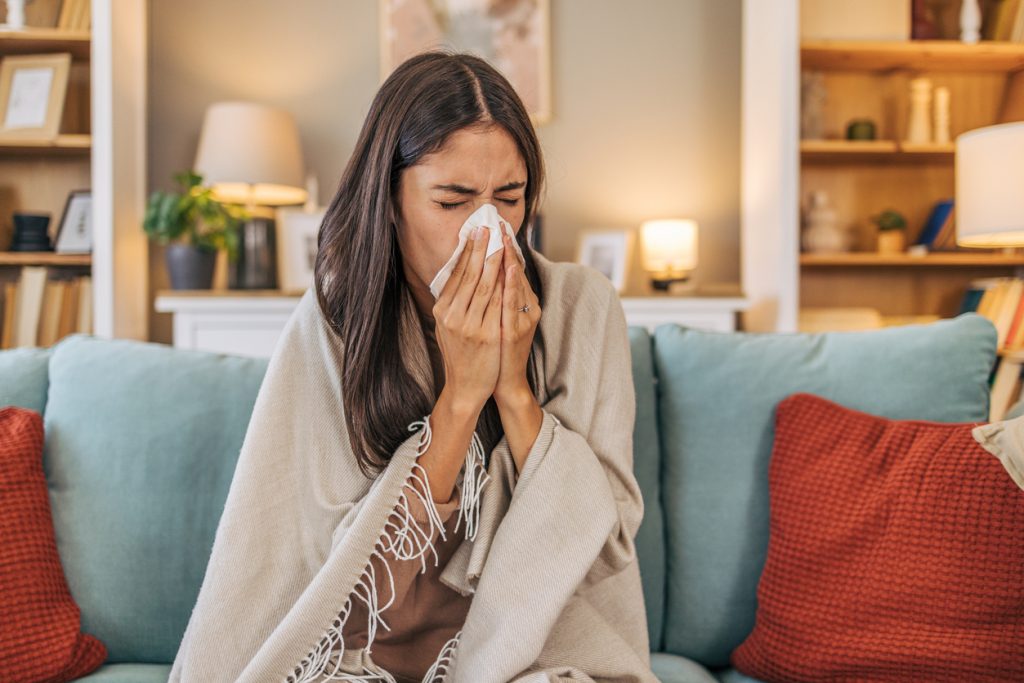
(437, 195)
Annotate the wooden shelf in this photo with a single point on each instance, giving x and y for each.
(64, 145)
(889, 151)
(868, 258)
(912, 55)
(33, 40)
(43, 258)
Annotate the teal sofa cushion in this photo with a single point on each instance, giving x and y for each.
(717, 396)
(141, 445)
(674, 669)
(128, 673)
(23, 377)
(650, 538)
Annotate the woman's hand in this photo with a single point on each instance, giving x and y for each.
(517, 329)
(468, 325)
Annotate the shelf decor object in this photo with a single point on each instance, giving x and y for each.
(669, 250)
(32, 92)
(250, 154)
(607, 251)
(989, 181)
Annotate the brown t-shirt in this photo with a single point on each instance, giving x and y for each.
(425, 613)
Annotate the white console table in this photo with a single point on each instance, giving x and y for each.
(249, 322)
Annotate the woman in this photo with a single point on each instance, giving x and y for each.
(517, 479)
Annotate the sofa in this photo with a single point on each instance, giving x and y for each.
(142, 438)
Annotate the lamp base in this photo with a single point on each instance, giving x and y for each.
(256, 267)
(662, 283)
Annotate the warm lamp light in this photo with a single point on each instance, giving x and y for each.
(250, 154)
(990, 186)
(668, 250)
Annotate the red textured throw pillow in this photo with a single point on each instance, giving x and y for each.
(40, 624)
(895, 553)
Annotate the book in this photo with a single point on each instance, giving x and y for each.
(49, 317)
(940, 216)
(1016, 334)
(69, 310)
(84, 323)
(7, 332)
(29, 303)
(1003, 317)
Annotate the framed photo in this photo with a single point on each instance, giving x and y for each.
(512, 35)
(32, 90)
(74, 232)
(608, 251)
(297, 231)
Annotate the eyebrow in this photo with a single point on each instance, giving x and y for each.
(460, 189)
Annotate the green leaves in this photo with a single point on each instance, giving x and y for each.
(192, 215)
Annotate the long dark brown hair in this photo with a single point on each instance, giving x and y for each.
(358, 275)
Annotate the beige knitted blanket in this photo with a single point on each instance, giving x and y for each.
(547, 554)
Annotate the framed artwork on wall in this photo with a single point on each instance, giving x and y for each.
(512, 35)
(32, 90)
(608, 251)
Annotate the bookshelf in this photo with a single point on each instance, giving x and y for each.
(870, 79)
(106, 82)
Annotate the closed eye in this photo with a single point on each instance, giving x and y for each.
(447, 205)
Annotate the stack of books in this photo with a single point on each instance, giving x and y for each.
(1001, 300)
(37, 310)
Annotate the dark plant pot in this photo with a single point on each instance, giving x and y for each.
(190, 266)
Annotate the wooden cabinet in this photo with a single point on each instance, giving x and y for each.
(862, 179)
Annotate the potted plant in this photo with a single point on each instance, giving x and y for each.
(892, 230)
(193, 226)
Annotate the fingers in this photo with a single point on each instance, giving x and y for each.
(492, 314)
(470, 273)
(513, 294)
(485, 285)
(455, 277)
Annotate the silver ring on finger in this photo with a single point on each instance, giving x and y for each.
(524, 309)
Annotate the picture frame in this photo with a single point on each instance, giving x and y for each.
(514, 36)
(32, 94)
(297, 233)
(74, 232)
(610, 252)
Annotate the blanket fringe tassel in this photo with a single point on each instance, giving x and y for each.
(408, 541)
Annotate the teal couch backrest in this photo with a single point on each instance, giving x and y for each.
(650, 538)
(141, 444)
(717, 394)
(140, 448)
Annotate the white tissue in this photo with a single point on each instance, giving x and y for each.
(487, 215)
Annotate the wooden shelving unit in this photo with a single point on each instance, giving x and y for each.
(43, 258)
(886, 151)
(912, 55)
(935, 259)
(39, 175)
(863, 178)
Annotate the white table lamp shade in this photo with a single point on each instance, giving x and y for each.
(669, 245)
(250, 153)
(990, 186)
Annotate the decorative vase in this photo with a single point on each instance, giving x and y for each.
(891, 241)
(919, 128)
(190, 267)
(823, 233)
(940, 131)
(970, 21)
(30, 232)
(15, 15)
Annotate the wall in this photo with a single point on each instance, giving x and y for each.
(645, 101)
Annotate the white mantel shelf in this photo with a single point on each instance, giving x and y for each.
(249, 322)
